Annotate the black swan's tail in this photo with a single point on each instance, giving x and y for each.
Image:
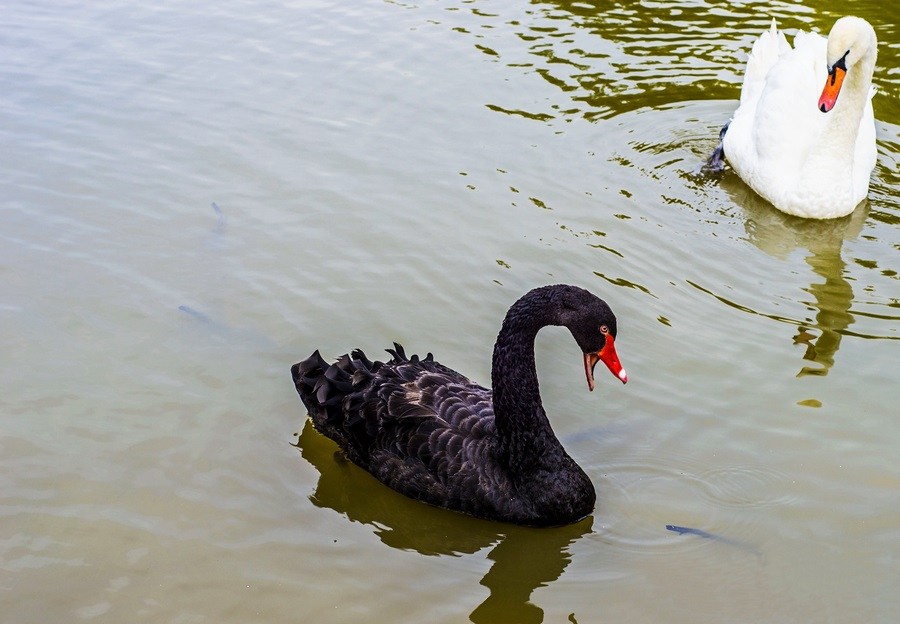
(324, 388)
(341, 398)
(333, 394)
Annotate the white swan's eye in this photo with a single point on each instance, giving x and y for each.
(604, 329)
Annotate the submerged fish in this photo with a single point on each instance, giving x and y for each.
(719, 538)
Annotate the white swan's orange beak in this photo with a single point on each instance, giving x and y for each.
(832, 87)
(609, 357)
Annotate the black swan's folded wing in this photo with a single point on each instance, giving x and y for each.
(418, 426)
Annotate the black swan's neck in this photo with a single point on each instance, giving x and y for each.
(526, 438)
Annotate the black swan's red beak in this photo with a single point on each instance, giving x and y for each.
(609, 357)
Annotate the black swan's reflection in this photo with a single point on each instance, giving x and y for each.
(524, 558)
(779, 234)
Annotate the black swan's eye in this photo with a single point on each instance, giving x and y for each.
(604, 329)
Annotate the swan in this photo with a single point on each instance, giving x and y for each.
(432, 434)
(807, 149)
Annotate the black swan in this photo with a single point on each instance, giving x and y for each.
(432, 434)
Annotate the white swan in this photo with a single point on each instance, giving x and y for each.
(807, 150)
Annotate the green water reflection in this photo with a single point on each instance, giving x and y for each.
(832, 298)
(780, 235)
(523, 558)
(609, 58)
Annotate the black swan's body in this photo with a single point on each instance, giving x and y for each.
(435, 436)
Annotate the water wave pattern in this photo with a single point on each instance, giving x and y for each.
(608, 58)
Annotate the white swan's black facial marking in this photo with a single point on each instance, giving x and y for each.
(841, 63)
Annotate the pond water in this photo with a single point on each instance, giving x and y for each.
(198, 195)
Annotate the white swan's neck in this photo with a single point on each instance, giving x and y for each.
(842, 127)
(828, 170)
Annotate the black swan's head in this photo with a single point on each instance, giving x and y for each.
(593, 325)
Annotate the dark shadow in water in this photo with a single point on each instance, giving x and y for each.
(779, 234)
(523, 558)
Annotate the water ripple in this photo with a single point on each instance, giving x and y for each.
(747, 486)
(609, 58)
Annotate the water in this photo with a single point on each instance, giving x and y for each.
(195, 196)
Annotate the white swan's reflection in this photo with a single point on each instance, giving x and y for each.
(779, 234)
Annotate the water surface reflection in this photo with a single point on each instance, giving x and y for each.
(779, 235)
(613, 57)
(523, 558)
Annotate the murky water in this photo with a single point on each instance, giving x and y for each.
(197, 195)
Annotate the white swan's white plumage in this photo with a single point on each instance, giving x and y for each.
(804, 161)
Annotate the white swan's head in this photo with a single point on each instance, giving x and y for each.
(851, 40)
